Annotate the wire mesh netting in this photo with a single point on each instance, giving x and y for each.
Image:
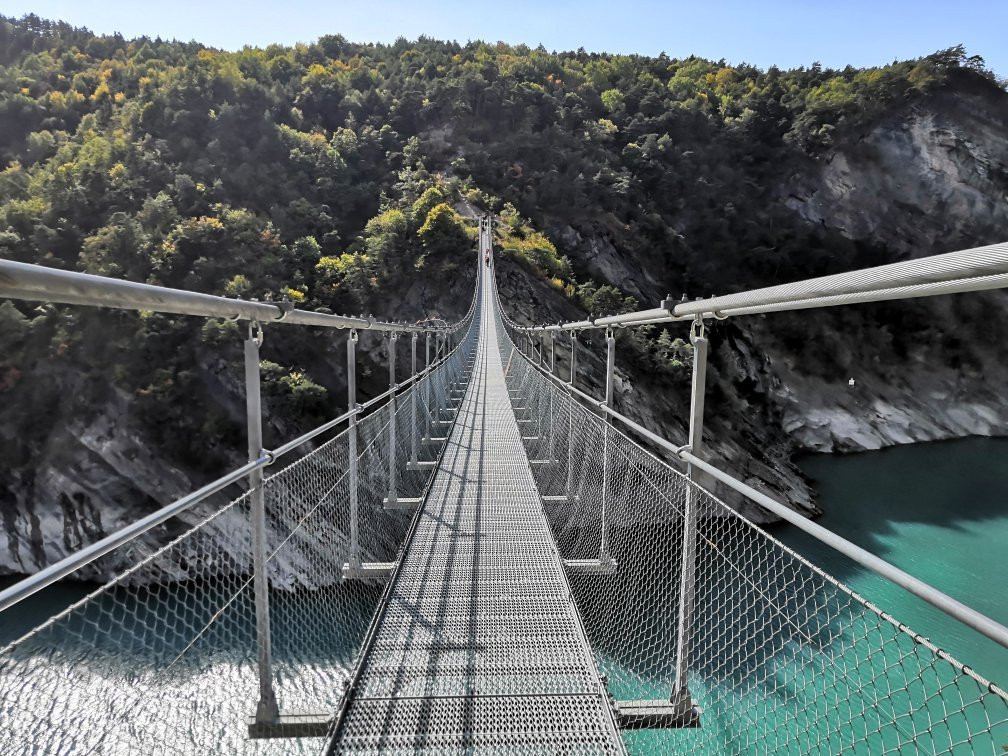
(163, 658)
(479, 647)
(748, 647)
(780, 658)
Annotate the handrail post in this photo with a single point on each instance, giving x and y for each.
(393, 338)
(430, 409)
(267, 710)
(570, 416)
(606, 467)
(687, 572)
(552, 367)
(539, 394)
(413, 394)
(355, 550)
(574, 344)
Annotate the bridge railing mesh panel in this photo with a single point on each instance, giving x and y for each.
(163, 657)
(782, 658)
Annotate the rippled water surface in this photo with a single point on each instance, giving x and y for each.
(939, 511)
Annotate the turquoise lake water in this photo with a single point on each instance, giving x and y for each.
(938, 511)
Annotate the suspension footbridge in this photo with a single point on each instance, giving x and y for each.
(485, 558)
(479, 632)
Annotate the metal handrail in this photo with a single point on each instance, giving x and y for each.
(941, 601)
(963, 264)
(977, 269)
(49, 575)
(39, 283)
(73, 562)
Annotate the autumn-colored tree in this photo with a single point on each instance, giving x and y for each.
(431, 198)
(443, 236)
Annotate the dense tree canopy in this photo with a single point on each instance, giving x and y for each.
(325, 172)
(145, 158)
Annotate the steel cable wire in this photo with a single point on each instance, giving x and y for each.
(783, 659)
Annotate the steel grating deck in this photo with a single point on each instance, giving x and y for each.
(480, 646)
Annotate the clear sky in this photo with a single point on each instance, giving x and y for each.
(787, 33)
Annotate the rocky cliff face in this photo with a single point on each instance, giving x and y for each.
(924, 182)
(921, 182)
(929, 180)
(96, 468)
(91, 475)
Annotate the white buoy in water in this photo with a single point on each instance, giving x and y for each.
(851, 383)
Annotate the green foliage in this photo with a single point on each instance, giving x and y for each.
(215, 332)
(306, 251)
(40, 145)
(239, 286)
(326, 172)
(539, 254)
(604, 300)
(293, 392)
(346, 274)
(481, 200)
(13, 325)
(432, 197)
(443, 237)
(386, 241)
(676, 352)
(612, 100)
(303, 394)
(115, 250)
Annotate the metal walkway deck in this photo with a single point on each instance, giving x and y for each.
(225, 626)
(480, 646)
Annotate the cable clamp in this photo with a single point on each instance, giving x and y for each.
(697, 330)
(684, 448)
(255, 332)
(286, 307)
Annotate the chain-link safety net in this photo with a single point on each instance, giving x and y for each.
(711, 635)
(163, 658)
(780, 657)
(479, 648)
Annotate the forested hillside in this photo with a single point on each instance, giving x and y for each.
(337, 175)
